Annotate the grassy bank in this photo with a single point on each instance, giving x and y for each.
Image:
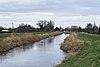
(11, 42)
(5, 35)
(71, 43)
(88, 55)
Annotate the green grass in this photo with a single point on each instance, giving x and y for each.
(89, 54)
(4, 35)
(41, 32)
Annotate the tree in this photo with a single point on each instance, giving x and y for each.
(89, 28)
(1, 28)
(49, 26)
(45, 25)
(99, 30)
(68, 29)
(42, 24)
(74, 28)
(57, 29)
(22, 28)
(79, 29)
(25, 28)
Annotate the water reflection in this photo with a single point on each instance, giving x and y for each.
(44, 43)
(17, 50)
(22, 48)
(45, 53)
(50, 40)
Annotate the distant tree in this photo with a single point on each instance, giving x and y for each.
(68, 29)
(22, 28)
(89, 28)
(80, 29)
(42, 24)
(45, 25)
(99, 30)
(83, 30)
(1, 28)
(57, 29)
(30, 28)
(49, 26)
(74, 28)
(25, 28)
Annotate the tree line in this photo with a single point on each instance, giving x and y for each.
(43, 25)
(49, 26)
(90, 28)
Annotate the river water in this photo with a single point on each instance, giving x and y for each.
(45, 53)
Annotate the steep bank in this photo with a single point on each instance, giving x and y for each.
(16, 41)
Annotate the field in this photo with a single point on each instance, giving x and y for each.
(89, 54)
(4, 35)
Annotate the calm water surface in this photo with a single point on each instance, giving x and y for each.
(45, 53)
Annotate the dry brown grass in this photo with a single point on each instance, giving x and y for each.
(72, 43)
(16, 41)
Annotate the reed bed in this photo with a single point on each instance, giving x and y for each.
(16, 41)
(72, 43)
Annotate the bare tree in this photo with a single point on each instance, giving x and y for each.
(45, 25)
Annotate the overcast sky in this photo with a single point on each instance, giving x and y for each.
(62, 12)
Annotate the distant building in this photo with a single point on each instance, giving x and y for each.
(5, 31)
(68, 29)
(74, 28)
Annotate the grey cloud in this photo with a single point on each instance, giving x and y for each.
(16, 9)
(67, 7)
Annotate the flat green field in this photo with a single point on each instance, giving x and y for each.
(89, 54)
(41, 32)
(4, 35)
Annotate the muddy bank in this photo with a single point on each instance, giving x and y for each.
(16, 41)
(71, 45)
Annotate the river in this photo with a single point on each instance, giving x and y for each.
(44, 53)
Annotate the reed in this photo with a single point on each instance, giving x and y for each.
(72, 43)
(16, 41)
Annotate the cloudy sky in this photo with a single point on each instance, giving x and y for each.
(62, 12)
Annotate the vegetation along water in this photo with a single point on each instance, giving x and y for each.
(88, 55)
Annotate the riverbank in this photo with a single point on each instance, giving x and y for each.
(70, 46)
(88, 55)
(71, 43)
(16, 41)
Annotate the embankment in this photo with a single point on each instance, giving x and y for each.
(71, 45)
(16, 41)
(88, 55)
